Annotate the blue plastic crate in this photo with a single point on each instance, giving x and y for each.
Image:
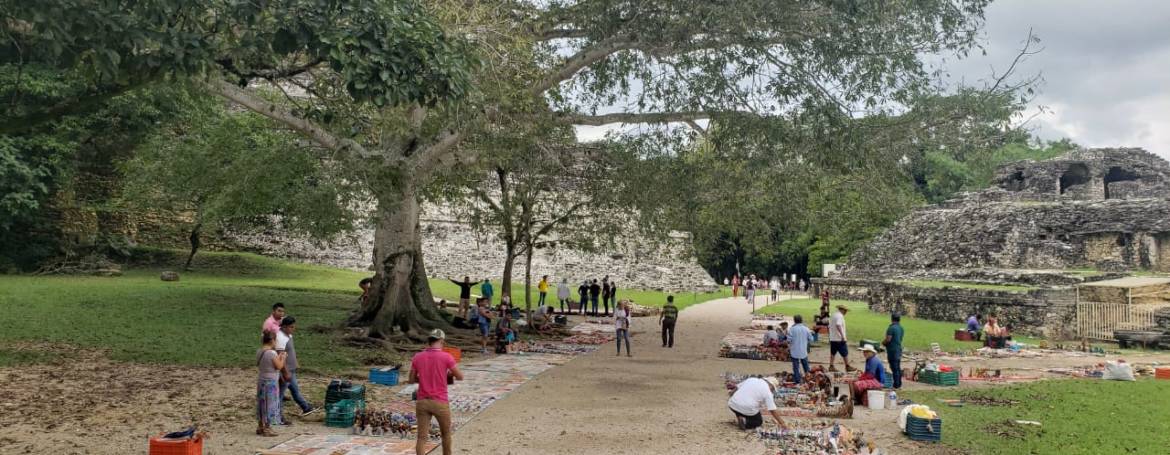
(384, 376)
(923, 429)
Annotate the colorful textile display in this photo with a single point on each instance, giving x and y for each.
(747, 344)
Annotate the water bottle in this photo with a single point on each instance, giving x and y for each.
(892, 400)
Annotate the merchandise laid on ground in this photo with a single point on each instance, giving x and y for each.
(640, 311)
(747, 343)
(592, 331)
(815, 438)
(818, 395)
(388, 428)
(762, 321)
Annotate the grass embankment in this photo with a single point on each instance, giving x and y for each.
(1076, 416)
(861, 323)
(211, 317)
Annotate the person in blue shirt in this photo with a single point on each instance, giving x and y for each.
(973, 326)
(874, 369)
(893, 344)
(486, 290)
(799, 337)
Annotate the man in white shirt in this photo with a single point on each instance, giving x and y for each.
(838, 341)
(748, 398)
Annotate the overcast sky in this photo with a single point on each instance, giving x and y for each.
(1105, 66)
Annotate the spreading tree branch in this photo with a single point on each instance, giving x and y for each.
(281, 114)
(582, 59)
(637, 117)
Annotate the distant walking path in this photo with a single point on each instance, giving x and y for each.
(659, 401)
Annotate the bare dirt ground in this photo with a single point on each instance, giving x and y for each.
(659, 401)
(667, 400)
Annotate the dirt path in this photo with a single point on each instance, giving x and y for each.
(658, 401)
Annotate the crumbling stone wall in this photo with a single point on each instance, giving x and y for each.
(452, 248)
(1049, 313)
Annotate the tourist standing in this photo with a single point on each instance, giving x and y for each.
(594, 294)
(893, 344)
(799, 337)
(750, 290)
(621, 322)
(735, 285)
(542, 287)
(284, 343)
(563, 293)
(484, 311)
(272, 323)
(667, 319)
(430, 370)
(838, 340)
(486, 290)
(775, 285)
(583, 292)
(748, 398)
(464, 295)
(605, 294)
(613, 292)
(269, 363)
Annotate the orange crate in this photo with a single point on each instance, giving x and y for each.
(455, 352)
(160, 446)
(1162, 373)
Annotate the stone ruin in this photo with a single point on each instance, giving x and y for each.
(452, 248)
(1044, 227)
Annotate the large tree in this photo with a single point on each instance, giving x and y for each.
(590, 62)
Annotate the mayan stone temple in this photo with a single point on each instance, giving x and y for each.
(1061, 248)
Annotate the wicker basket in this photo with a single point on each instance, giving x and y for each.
(949, 378)
(919, 429)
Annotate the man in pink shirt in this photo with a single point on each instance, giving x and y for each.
(272, 324)
(430, 370)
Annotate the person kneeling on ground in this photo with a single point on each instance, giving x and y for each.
(543, 322)
(748, 398)
(872, 378)
(430, 369)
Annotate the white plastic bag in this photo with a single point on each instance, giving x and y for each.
(1118, 371)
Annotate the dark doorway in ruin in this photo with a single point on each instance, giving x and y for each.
(1077, 174)
(1117, 174)
(1015, 182)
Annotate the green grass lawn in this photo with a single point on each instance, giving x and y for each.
(966, 285)
(1081, 416)
(861, 323)
(211, 317)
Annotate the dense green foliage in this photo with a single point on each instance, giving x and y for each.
(1077, 416)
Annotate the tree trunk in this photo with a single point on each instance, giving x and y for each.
(506, 280)
(195, 244)
(400, 300)
(528, 282)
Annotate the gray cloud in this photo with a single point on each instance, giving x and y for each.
(1106, 67)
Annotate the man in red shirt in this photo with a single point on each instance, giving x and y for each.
(430, 369)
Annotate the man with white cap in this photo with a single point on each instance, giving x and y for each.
(749, 397)
(873, 376)
(430, 369)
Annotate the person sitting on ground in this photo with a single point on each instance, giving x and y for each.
(543, 322)
(974, 328)
(771, 338)
(749, 397)
(997, 335)
(505, 335)
(782, 331)
(268, 402)
(872, 378)
(272, 324)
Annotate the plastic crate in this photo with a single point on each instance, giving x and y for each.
(455, 352)
(191, 446)
(949, 378)
(1162, 373)
(341, 414)
(384, 376)
(927, 430)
